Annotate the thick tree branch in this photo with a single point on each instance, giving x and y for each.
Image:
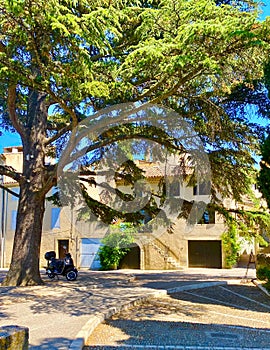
(263, 162)
(58, 135)
(65, 107)
(51, 179)
(11, 172)
(9, 191)
(141, 133)
(2, 47)
(174, 88)
(12, 110)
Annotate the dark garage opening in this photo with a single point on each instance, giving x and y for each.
(131, 260)
(204, 254)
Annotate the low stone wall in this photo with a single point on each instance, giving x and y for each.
(14, 338)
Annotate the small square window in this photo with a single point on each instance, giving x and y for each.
(174, 189)
(202, 189)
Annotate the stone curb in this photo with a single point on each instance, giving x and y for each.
(196, 286)
(79, 342)
(259, 285)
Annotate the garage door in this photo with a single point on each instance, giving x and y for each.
(204, 254)
(88, 253)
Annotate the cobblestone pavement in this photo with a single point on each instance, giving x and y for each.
(222, 317)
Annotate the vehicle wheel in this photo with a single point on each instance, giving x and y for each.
(51, 275)
(71, 275)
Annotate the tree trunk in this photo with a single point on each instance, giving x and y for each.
(24, 268)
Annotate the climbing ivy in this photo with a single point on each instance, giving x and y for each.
(230, 244)
(242, 223)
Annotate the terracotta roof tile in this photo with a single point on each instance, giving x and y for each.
(152, 170)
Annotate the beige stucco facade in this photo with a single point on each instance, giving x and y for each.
(171, 249)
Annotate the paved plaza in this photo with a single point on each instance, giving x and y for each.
(233, 316)
(59, 313)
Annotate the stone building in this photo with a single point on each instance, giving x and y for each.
(199, 245)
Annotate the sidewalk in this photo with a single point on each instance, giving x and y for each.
(60, 312)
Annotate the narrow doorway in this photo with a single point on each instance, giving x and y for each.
(63, 247)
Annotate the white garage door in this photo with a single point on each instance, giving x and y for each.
(89, 249)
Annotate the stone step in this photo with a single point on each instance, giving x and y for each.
(168, 258)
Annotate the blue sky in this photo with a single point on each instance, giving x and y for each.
(266, 9)
(12, 139)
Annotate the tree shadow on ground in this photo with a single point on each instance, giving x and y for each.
(89, 294)
(123, 332)
(3, 314)
(94, 292)
(52, 344)
(2, 275)
(171, 279)
(242, 297)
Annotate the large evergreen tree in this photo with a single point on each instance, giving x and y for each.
(81, 56)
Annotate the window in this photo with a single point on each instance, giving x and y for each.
(208, 216)
(13, 219)
(16, 190)
(55, 218)
(202, 189)
(174, 189)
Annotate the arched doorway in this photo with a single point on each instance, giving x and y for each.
(132, 259)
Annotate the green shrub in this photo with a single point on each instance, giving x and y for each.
(110, 257)
(115, 247)
(263, 260)
(263, 273)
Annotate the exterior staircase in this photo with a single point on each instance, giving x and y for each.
(166, 253)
